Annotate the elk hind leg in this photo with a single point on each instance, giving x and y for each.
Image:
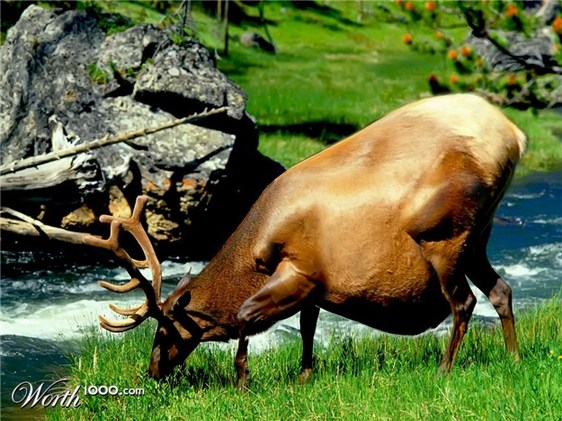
(284, 294)
(482, 274)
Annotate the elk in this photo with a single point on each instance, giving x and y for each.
(382, 228)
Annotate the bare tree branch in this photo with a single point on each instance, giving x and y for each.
(100, 143)
(477, 22)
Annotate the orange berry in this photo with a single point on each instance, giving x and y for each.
(511, 10)
(409, 6)
(466, 50)
(452, 54)
(454, 79)
(407, 39)
(512, 80)
(557, 25)
(430, 6)
(439, 35)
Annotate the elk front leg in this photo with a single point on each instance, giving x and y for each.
(462, 302)
(308, 320)
(241, 362)
(282, 296)
(446, 257)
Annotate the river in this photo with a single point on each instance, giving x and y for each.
(46, 304)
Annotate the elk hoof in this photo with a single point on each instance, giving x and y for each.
(305, 376)
(243, 384)
(516, 357)
(443, 370)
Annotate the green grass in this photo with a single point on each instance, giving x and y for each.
(351, 74)
(289, 149)
(333, 72)
(97, 74)
(544, 132)
(379, 377)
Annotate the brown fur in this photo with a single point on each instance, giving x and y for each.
(380, 228)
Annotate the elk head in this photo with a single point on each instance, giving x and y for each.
(177, 334)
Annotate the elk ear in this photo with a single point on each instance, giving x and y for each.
(182, 302)
(185, 280)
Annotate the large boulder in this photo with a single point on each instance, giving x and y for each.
(63, 76)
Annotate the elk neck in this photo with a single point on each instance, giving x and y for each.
(218, 292)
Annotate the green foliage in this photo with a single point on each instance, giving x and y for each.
(97, 74)
(362, 73)
(181, 37)
(113, 23)
(382, 376)
(352, 75)
(526, 88)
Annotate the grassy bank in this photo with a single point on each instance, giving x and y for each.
(381, 377)
(332, 76)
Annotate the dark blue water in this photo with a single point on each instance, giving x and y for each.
(526, 243)
(45, 306)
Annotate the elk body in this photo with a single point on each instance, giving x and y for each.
(383, 228)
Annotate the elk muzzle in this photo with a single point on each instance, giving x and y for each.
(172, 345)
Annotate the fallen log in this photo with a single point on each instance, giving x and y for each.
(31, 227)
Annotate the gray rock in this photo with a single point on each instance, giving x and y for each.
(534, 53)
(35, 83)
(185, 73)
(202, 178)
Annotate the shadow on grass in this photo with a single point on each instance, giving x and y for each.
(322, 130)
(323, 10)
(201, 378)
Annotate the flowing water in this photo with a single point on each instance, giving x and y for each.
(45, 304)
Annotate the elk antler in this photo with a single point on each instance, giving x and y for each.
(152, 291)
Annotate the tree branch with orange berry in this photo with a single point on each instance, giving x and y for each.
(506, 54)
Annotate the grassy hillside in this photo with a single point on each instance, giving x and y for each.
(333, 75)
